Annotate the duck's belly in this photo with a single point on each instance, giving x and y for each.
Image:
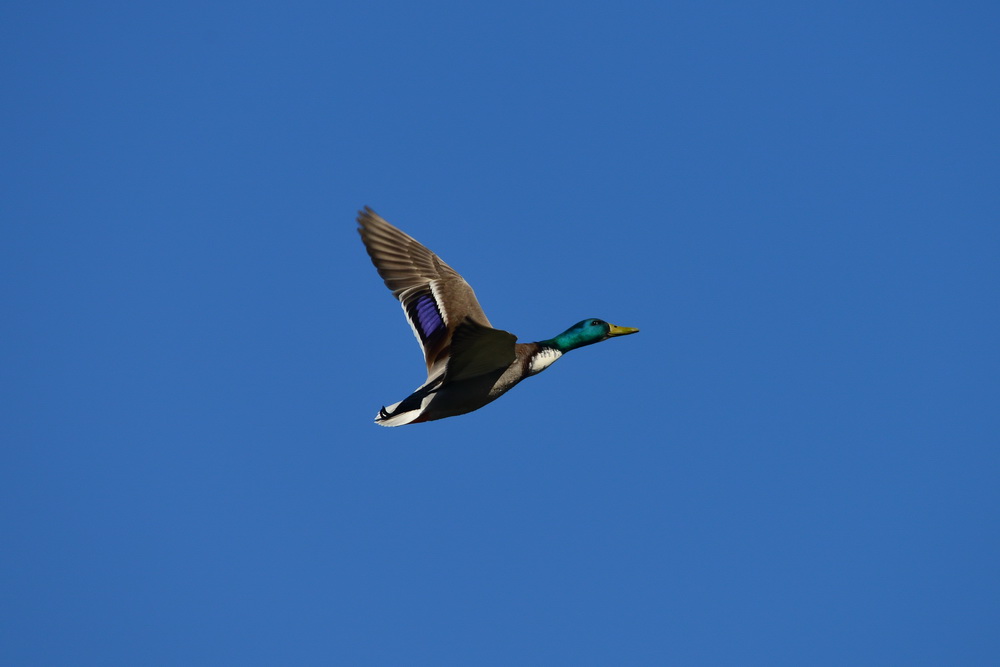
(458, 398)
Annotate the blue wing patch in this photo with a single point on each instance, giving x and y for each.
(425, 316)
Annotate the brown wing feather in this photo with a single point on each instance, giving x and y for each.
(421, 281)
(478, 350)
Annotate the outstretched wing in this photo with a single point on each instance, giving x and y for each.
(434, 297)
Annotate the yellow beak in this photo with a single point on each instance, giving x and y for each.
(621, 331)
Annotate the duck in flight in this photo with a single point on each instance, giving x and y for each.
(469, 363)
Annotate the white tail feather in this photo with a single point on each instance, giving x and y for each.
(393, 419)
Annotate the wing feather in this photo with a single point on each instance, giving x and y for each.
(434, 297)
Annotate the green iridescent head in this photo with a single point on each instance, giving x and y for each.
(586, 332)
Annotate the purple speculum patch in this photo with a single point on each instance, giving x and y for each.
(426, 315)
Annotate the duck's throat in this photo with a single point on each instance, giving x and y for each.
(545, 357)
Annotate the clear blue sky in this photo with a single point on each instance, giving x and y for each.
(794, 463)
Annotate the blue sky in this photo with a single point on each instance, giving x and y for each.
(794, 463)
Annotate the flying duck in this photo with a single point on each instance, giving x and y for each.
(469, 363)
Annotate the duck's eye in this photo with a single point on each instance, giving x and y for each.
(595, 323)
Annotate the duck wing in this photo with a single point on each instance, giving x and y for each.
(435, 299)
(477, 350)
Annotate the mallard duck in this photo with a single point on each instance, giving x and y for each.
(469, 363)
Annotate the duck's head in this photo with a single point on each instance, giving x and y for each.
(586, 332)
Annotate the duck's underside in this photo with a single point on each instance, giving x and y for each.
(438, 399)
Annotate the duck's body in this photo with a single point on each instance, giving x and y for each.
(469, 363)
(448, 397)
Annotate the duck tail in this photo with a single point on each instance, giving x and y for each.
(390, 416)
